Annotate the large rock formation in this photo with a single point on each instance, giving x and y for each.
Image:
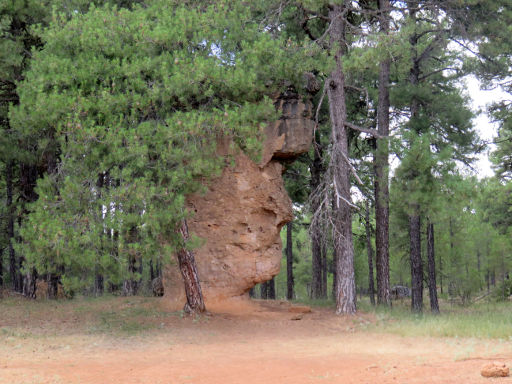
(242, 214)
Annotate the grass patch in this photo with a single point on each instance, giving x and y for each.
(119, 316)
(482, 321)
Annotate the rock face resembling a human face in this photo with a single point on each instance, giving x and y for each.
(241, 215)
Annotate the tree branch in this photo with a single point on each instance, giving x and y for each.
(370, 131)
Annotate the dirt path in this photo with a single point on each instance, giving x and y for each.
(263, 346)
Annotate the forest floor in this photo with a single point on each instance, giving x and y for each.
(137, 340)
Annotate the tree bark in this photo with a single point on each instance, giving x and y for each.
(369, 249)
(381, 169)
(188, 269)
(342, 233)
(416, 263)
(434, 304)
(289, 262)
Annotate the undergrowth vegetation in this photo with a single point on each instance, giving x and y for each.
(488, 320)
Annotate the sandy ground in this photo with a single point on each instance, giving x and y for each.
(261, 344)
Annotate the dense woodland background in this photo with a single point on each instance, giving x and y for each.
(109, 111)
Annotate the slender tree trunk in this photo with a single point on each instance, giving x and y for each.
(187, 264)
(414, 219)
(289, 262)
(29, 284)
(99, 284)
(151, 271)
(342, 233)
(1, 268)
(381, 169)
(27, 181)
(441, 273)
(324, 270)
(317, 237)
(158, 267)
(131, 285)
(452, 246)
(369, 249)
(416, 263)
(264, 290)
(334, 274)
(317, 268)
(53, 285)
(98, 277)
(434, 305)
(13, 265)
(271, 289)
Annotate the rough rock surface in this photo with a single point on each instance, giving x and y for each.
(495, 369)
(242, 214)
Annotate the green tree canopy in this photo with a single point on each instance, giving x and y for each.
(137, 100)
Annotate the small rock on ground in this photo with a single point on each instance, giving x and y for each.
(495, 369)
(299, 309)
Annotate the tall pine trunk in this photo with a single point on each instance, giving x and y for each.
(381, 169)
(289, 262)
(317, 170)
(342, 232)
(369, 249)
(434, 305)
(188, 269)
(416, 262)
(414, 217)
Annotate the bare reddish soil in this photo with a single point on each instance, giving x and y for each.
(245, 343)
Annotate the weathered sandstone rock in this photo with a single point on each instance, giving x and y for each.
(291, 135)
(242, 214)
(495, 369)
